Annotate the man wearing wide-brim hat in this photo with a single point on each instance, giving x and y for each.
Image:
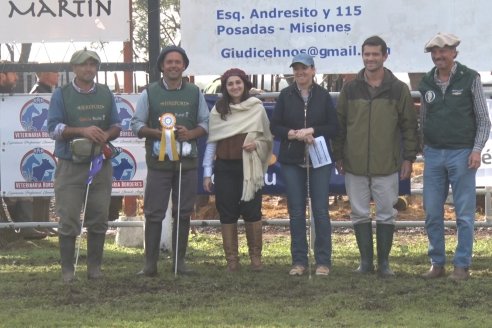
(171, 115)
(455, 125)
(82, 112)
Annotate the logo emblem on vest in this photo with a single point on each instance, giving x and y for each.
(430, 96)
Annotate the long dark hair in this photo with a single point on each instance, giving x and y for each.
(223, 104)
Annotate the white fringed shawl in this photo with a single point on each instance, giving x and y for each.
(247, 117)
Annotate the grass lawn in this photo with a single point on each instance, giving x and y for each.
(32, 294)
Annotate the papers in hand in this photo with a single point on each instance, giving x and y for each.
(318, 152)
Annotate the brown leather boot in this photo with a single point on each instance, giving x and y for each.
(229, 239)
(459, 274)
(435, 272)
(255, 243)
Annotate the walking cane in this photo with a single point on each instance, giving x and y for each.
(179, 211)
(84, 209)
(309, 215)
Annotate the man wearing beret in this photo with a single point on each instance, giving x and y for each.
(171, 114)
(455, 125)
(82, 109)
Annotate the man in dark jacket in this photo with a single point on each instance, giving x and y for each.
(46, 83)
(455, 125)
(376, 146)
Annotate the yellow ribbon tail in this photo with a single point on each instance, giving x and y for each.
(162, 150)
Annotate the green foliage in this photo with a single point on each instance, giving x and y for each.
(169, 24)
(32, 294)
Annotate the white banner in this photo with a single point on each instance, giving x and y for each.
(261, 36)
(24, 21)
(27, 163)
(484, 173)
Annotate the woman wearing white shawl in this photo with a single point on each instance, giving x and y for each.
(241, 142)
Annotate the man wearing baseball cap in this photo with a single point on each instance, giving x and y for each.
(171, 114)
(82, 109)
(455, 126)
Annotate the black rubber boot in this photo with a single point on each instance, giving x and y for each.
(363, 235)
(67, 253)
(384, 235)
(184, 231)
(152, 248)
(95, 249)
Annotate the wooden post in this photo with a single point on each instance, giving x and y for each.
(129, 202)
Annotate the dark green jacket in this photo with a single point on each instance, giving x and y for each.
(376, 132)
(449, 121)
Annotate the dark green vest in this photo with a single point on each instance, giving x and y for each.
(450, 119)
(87, 109)
(183, 103)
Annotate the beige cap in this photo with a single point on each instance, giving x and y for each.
(442, 40)
(80, 56)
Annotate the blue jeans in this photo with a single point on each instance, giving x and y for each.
(295, 178)
(444, 167)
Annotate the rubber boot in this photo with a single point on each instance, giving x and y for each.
(229, 239)
(255, 243)
(384, 235)
(152, 248)
(363, 235)
(184, 231)
(95, 249)
(67, 253)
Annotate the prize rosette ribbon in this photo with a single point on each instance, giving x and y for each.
(168, 140)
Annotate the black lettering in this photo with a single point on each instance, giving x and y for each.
(79, 5)
(45, 9)
(101, 6)
(13, 8)
(63, 7)
(486, 158)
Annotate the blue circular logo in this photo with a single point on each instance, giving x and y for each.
(125, 112)
(38, 165)
(34, 114)
(124, 165)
